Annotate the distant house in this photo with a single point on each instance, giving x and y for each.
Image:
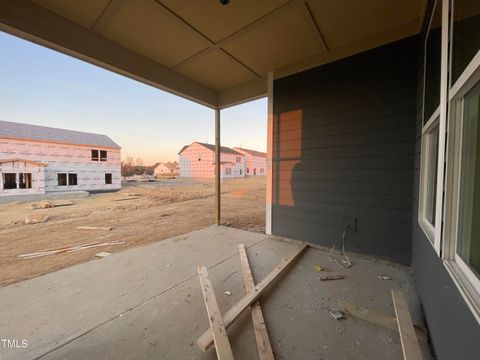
(256, 161)
(37, 160)
(166, 168)
(198, 160)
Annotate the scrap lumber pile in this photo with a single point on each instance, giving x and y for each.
(45, 204)
(70, 249)
(217, 334)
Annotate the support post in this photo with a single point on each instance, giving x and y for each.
(269, 188)
(217, 169)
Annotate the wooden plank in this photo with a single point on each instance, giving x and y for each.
(103, 228)
(206, 339)
(265, 351)
(410, 347)
(219, 333)
(378, 318)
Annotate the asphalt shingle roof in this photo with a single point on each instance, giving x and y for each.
(42, 133)
(223, 149)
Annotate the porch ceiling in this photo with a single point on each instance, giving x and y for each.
(217, 55)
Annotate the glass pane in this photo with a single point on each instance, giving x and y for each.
(433, 50)
(466, 35)
(432, 166)
(468, 246)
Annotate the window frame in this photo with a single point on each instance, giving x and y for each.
(434, 233)
(111, 179)
(465, 279)
(95, 158)
(68, 179)
(101, 157)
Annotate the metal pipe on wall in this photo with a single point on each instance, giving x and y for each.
(217, 169)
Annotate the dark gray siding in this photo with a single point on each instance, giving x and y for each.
(454, 332)
(344, 144)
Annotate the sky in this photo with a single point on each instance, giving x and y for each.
(44, 87)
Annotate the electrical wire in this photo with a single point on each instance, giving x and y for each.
(346, 260)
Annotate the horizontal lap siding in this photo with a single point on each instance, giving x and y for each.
(344, 145)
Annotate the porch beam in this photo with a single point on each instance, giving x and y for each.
(218, 194)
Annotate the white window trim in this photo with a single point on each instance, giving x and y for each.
(434, 233)
(467, 282)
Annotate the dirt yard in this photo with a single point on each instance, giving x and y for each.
(157, 211)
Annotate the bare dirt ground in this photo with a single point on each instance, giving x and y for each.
(162, 210)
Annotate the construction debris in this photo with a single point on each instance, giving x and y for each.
(127, 198)
(317, 267)
(36, 219)
(69, 249)
(45, 204)
(228, 293)
(264, 347)
(103, 254)
(205, 341)
(337, 315)
(103, 228)
(332, 277)
(384, 277)
(378, 318)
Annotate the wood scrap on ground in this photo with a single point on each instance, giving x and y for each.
(36, 219)
(411, 349)
(45, 204)
(217, 327)
(103, 228)
(205, 341)
(127, 198)
(69, 249)
(332, 277)
(378, 318)
(265, 351)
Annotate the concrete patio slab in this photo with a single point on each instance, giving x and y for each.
(146, 303)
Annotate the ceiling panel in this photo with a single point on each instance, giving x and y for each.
(217, 21)
(216, 70)
(144, 27)
(85, 12)
(280, 41)
(347, 21)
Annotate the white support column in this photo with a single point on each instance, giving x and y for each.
(269, 187)
(218, 194)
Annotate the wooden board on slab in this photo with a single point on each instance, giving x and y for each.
(411, 349)
(219, 333)
(377, 318)
(206, 340)
(265, 351)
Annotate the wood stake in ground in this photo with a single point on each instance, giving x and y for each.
(378, 318)
(410, 347)
(261, 335)
(222, 345)
(206, 340)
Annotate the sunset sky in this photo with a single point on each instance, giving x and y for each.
(43, 87)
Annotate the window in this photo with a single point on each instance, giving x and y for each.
(465, 35)
(62, 179)
(433, 49)
(238, 159)
(9, 181)
(461, 250)
(25, 181)
(72, 179)
(108, 179)
(94, 155)
(103, 155)
(240, 171)
(433, 132)
(228, 171)
(248, 170)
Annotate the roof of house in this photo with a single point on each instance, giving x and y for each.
(42, 133)
(223, 149)
(252, 152)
